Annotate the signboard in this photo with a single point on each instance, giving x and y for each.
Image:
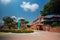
(19, 24)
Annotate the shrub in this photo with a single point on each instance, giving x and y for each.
(17, 31)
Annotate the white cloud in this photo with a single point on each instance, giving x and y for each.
(13, 17)
(27, 6)
(5, 1)
(17, 18)
(1, 22)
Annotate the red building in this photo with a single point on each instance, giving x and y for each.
(43, 23)
(37, 24)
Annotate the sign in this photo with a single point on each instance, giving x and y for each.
(19, 24)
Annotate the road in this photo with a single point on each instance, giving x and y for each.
(38, 35)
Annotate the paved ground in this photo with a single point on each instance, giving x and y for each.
(39, 35)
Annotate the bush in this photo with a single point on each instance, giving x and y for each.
(26, 31)
(17, 31)
(6, 30)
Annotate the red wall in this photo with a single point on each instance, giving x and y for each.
(56, 29)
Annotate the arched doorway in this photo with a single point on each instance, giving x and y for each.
(40, 28)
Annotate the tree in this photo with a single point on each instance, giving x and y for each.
(12, 26)
(9, 21)
(53, 7)
(26, 21)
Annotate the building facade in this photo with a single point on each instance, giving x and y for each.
(37, 24)
(43, 23)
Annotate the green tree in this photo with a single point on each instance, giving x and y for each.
(9, 21)
(26, 21)
(52, 7)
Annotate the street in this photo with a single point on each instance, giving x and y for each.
(38, 35)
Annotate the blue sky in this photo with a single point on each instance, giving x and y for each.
(28, 9)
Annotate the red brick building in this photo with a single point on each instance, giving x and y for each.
(39, 24)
